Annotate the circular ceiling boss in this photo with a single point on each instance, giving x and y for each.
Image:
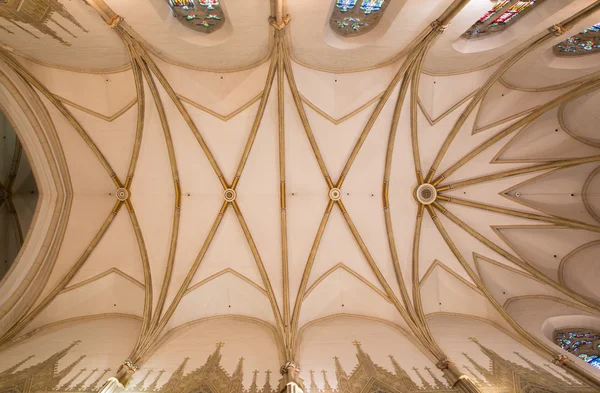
(122, 194)
(426, 194)
(229, 195)
(335, 194)
(2, 194)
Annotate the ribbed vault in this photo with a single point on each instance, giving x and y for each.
(286, 196)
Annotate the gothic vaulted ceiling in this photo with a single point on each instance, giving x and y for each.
(280, 190)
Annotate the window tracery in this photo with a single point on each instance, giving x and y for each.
(200, 15)
(352, 18)
(583, 343)
(499, 17)
(586, 42)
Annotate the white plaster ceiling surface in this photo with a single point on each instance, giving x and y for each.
(285, 269)
(540, 68)
(242, 42)
(87, 354)
(315, 44)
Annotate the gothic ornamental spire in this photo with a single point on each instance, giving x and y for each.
(313, 386)
(253, 385)
(326, 386)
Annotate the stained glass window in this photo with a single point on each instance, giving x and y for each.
(499, 17)
(369, 6)
(583, 343)
(200, 15)
(355, 17)
(345, 5)
(587, 41)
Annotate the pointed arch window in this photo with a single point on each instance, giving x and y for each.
(351, 18)
(584, 43)
(205, 16)
(503, 14)
(583, 343)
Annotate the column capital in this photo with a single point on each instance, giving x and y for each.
(455, 377)
(444, 363)
(438, 26)
(289, 367)
(126, 371)
(129, 363)
(279, 25)
(114, 21)
(290, 381)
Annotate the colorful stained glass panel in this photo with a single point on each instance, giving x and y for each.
(494, 9)
(210, 4)
(587, 41)
(369, 6)
(201, 15)
(502, 14)
(513, 12)
(583, 343)
(345, 5)
(351, 18)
